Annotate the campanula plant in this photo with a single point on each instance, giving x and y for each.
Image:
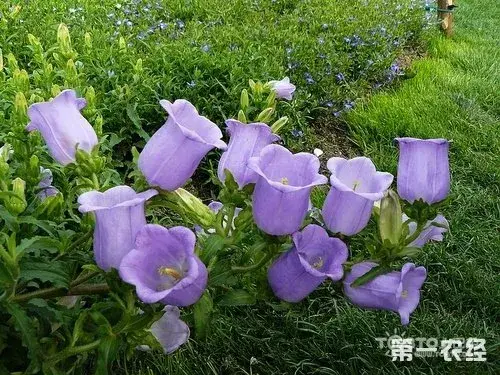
(83, 243)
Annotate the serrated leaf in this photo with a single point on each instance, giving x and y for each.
(54, 273)
(203, 316)
(210, 247)
(106, 354)
(238, 297)
(51, 245)
(25, 326)
(46, 225)
(134, 117)
(9, 219)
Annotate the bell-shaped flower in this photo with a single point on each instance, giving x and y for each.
(119, 214)
(395, 291)
(355, 186)
(423, 169)
(281, 194)
(313, 258)
(430, 231)
(62, 126)
(170, 331)
(284, 89)
(163, 266)
(174, 152)
(45, 185)
(247, 140)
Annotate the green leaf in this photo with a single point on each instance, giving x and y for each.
(25, 326)
(409, 251)
(134, 117)
(106, 354)
(203, 316)
(6, 277)
(210, 247)
(370, 275)
(46, 225)
(10, 220)
(238, 297)
(33, 244)
(54, 273)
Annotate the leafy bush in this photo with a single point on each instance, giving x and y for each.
(123, 58)
(135, 52)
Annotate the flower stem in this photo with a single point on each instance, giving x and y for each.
(77, 290)
(68, 352)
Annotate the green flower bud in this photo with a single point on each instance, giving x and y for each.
(122, 44)
(271, 99)
(279, 124)
(5, 152)
(99, 121)
(1, 60)
(266, 115)
(12, 62)
(20, 108)
(17, 204)
(88, 40)
(21, 80)
(34, 166)
(64, 39)
(251, 83)
(55, 90)
(241, 117)
(71, 73)
(391, 218)
(191, 207)
(244, 101)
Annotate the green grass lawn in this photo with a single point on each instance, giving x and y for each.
(455, 94)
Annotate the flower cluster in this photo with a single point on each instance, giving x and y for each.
(265, 191)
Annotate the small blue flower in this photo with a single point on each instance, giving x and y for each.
(297, 133)
(337, 114)
(348, 105)
(111, 74)
(309, 78)
(180, 24)
(340, 77)
(321, 40)
(191, 84)
(205, 48)
(324, 26)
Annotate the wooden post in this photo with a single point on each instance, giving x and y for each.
(446, 16)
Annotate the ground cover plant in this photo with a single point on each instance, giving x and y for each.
(55, 233)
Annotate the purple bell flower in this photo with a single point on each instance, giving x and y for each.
(281, 195)
(163, 266)
(284, 89)
(356, 185)
(173, 153)
(119, 214)
(247, 140)
(45, 185)
(170, 331)
(395, 291)
(429, 233)
(423, 169)
(314, 257)
(62, 126)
